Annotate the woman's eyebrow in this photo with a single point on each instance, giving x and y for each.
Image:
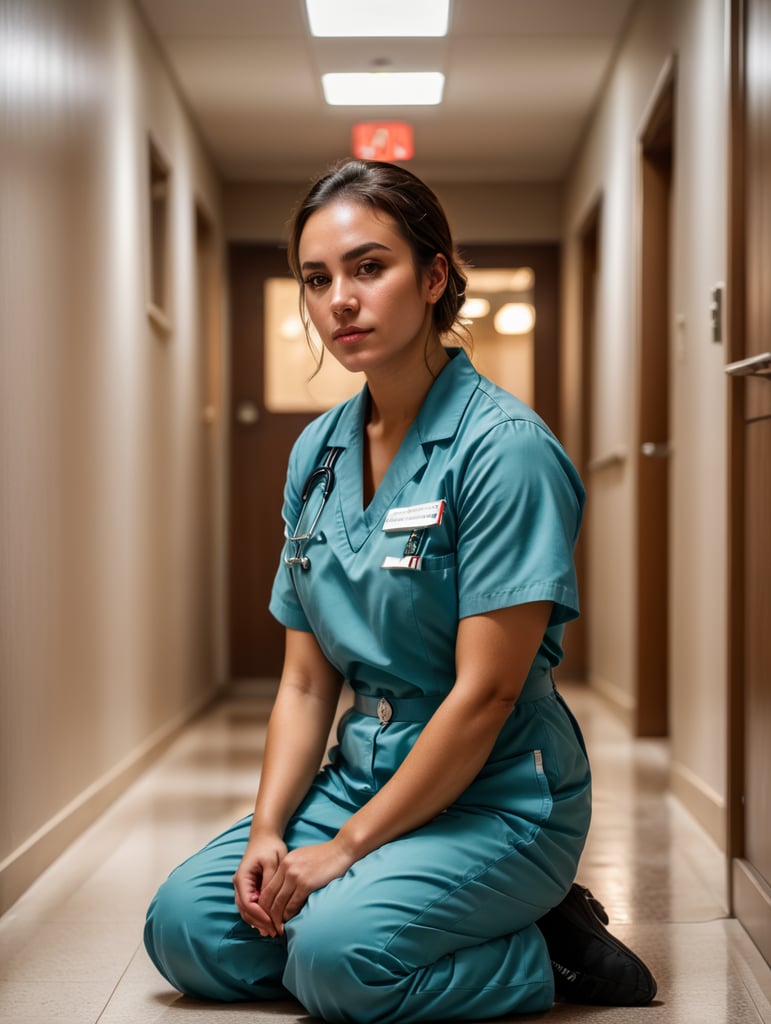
(352, 254)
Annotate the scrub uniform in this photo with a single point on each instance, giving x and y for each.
(440, 923)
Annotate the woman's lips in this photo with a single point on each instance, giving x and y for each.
(349, 335)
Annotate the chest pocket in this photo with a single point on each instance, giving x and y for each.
(434, 599)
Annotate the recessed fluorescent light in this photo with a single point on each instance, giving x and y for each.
(383, 88)
(376, 18)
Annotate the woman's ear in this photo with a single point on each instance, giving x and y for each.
(436, 278)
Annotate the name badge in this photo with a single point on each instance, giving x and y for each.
(405, 562)
(414, 517)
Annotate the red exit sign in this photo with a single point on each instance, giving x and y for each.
(382, 140)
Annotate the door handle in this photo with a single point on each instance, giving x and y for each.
(655, 449)
(755, 366)
(247, 413)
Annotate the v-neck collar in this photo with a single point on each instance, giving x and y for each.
(437, 420)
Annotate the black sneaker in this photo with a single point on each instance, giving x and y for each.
(589, 964)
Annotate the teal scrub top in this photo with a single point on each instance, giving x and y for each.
(512, 504)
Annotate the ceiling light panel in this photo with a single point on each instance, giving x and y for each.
(383, 88)
(378, 18)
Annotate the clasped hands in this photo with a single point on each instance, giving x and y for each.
(272, 885)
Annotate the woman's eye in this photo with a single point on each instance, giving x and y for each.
(369, 268)
(315, 281)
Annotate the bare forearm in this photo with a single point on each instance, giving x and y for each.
(445, 760)
(296, 741)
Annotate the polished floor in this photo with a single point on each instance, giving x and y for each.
(71, 953)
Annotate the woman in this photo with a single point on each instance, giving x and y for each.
(430, 526)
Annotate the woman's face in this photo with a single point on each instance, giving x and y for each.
(370, 304)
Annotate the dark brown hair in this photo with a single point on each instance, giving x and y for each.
(417, 212)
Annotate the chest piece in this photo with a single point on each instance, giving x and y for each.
(384, 711)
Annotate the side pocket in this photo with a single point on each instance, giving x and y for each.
(516, 790)
(543, 783)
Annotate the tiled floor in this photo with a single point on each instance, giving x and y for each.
(70, 950)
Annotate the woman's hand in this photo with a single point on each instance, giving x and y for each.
(261, 861)
(300, 873)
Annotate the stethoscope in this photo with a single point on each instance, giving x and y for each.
(325, 476)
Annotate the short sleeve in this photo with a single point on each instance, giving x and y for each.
(284, 603)
(519, 514)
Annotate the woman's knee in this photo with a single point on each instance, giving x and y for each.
(180, 940)
(335, 966)
(197, 940)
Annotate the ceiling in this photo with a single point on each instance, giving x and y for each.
(522, 78)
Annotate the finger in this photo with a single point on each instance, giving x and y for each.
(273, 901)
(294, 905)
(269, 871)
(247, 895)
(255, 916)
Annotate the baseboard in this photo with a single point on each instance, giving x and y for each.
(752, 905)
(701, 801)
(619, 701)
(20, 869)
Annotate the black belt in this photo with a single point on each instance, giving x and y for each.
(420, 709)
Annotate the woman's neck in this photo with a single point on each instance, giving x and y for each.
(396, 394)
(395, 401)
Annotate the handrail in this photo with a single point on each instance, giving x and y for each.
(755, 366)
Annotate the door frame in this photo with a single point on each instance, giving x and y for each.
(749, 891)
(735, 346)
(576, 662)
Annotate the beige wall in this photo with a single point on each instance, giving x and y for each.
(607, 168)
(520, 212)
(107, 637)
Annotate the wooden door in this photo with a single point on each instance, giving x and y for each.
(750, 472)
(653, 453)
(259, 451)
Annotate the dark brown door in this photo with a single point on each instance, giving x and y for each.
(750, 472)
(259, 450)
(652, 513)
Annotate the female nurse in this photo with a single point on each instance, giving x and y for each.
(426, 872)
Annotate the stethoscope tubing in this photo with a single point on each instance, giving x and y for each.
(325, 474)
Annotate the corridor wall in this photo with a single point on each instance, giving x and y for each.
(691, 35)
(108, 637)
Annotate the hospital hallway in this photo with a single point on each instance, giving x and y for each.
(604, 166)
(71, 946)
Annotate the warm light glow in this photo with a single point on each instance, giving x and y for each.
(291, 328)
(520, 279)
(475, 309)
(367, 18)
(383, 88)
(515, 318)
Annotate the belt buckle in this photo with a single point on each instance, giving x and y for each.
(384, 711)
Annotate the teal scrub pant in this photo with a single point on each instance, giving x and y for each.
(436, 925)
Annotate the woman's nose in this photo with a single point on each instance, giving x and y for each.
(342, 299)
